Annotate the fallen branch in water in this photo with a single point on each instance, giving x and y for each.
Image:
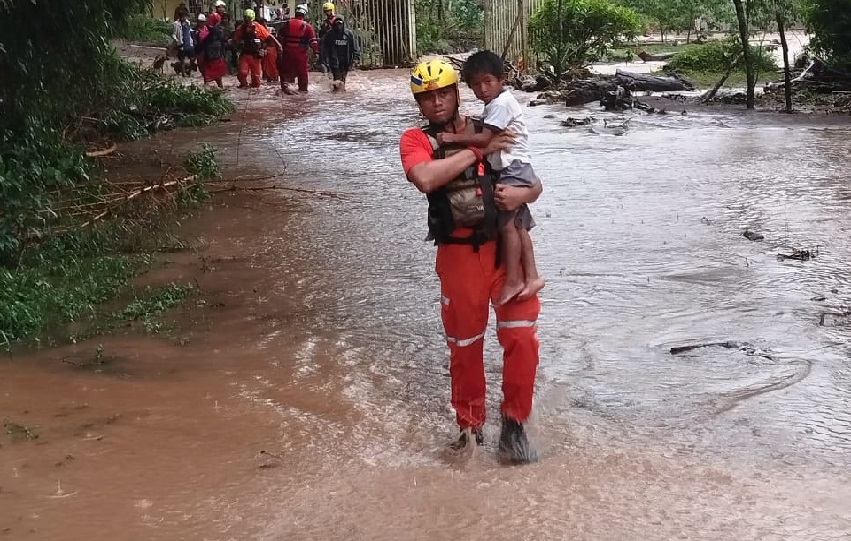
(727, 345)
(799, 255)
(102, 153)
(136, 193)
(235, 188)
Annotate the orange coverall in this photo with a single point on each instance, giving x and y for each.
(469, 282)
(249, 61)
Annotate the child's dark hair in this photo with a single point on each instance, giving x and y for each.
(484, 62)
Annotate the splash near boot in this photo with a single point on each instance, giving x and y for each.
(514, 446)
(467, 442)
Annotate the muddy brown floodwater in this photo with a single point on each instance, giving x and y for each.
(305, 395)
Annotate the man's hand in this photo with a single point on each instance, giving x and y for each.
(499, 141)
(262, 52)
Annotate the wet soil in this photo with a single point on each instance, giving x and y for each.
(304, 394)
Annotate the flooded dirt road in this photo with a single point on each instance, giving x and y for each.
(306, 393)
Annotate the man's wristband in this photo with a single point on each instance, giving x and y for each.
(479, 156)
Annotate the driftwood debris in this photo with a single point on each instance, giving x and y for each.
(747, 348)
(103, 152)
(799, 255)
(659, 57)
(753, 236)
(164, 186)
(726, 345)
(652, 83)
(571, 122)
(817, 76)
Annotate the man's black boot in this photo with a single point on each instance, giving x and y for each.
(468, 434)
(514, 446)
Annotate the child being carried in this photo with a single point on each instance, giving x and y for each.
(484, 73)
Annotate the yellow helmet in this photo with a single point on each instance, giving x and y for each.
(249, 14)
(328, 6)
(432, 75)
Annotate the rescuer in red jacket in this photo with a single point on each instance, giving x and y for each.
(296, 36)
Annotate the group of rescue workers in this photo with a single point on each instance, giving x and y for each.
(264, 50)
(477, 176)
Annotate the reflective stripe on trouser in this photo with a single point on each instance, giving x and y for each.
(469, 282)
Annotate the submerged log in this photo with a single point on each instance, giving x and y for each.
(652, 83)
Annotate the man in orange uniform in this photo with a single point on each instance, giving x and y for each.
(252, 38)
(462, 220)
(297, 36)
(269, 62)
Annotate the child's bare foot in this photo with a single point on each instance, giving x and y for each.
(532, 287)
(510, 292)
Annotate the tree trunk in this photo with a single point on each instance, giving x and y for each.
(644, 82)
(746, 52)
(787, 73)
(440, 11)
(711, 94)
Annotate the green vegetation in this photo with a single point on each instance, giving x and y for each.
(203, 163)
(572, 33)
(708, 79)
(665, 16)
(69, 241)
(830, 21)
(149, 307)
(154, 103)
(445, 26)
(63, 280)
(204, 166)
(19, 432)
(716, 56)
(39, 168)
(142, 28)
(63, 277)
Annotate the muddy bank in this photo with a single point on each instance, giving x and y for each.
(304, 392)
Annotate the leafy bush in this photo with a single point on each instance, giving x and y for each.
(33, 165)
(576, 32)
(716, 56)
(203, 163)
(458, 27)
(830, 22)
(63, 280)
(145, 29)
(153, 303)
(153, 103)
(36, 163)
